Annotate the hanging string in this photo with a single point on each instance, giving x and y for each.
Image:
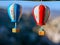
(15, 25)
(41, 2)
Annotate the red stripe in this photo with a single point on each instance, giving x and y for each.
(41, 14)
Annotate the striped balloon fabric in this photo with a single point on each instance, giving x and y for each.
(41, 14)
(14, 12)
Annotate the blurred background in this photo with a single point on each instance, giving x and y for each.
(26, 36)
(29, 0)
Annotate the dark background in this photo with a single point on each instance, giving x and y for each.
(26, 36)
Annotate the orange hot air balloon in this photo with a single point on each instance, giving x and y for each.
(41, 14)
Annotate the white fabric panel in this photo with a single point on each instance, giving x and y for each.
(36, 13)
(12, 11)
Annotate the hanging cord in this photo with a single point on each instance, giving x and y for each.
(41, 2)
(15, 25)
(41, 28)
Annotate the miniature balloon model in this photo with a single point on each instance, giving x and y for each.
(41, 14)
(15, 13)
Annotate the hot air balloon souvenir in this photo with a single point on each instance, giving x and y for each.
(15, 13)
(41, 14)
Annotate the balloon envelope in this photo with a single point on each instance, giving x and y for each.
(40, 14)
(14, 12)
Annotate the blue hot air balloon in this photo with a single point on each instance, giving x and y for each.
(14, 12)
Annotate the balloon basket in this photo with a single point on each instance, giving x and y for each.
(14, 30)
(41, 33)
(39, 30)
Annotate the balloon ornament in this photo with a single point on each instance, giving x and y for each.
(14, 12)
(41, 14)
